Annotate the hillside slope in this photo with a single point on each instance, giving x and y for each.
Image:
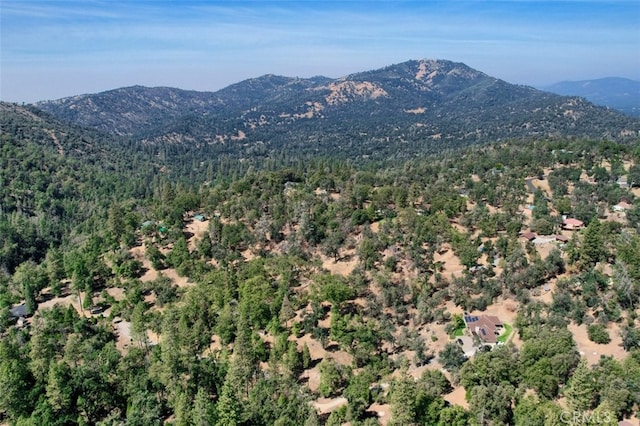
(622, 94)
(54, 178)
(445, 290)
(415, 106)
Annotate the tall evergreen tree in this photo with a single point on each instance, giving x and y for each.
(402, 399)
(592, 248)
(580, 388)
(228, 406)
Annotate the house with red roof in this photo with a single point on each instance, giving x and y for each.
(529, 236)
(561, 238)
(486, 327)
(572, 224)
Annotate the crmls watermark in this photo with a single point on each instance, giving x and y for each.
(584, 417)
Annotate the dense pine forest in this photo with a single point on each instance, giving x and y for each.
(147, 284)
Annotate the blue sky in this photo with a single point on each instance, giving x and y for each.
(56, 48)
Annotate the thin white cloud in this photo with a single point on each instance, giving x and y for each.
(152, 40)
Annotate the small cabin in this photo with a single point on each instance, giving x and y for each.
(529, 236)
(561, 238)
(571, 224)
(622, 206)
(622, 182)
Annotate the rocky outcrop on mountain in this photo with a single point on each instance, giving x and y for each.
(423, 105)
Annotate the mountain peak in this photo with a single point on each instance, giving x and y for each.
(424, 104)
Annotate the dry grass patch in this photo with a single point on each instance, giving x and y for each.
(451, 265)
(344, 266)
(196, 229)
(457, 397)
(592, 351)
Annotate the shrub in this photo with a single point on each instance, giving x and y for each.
(598, 334)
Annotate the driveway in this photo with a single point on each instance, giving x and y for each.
(467, 345)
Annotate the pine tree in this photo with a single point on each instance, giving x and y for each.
(293, 360)
(55, 269)
(228, 409)
(402, 401)
(15, 380)
(312, 420)
(580, 388)
(204, 412)
(592, 249)
(329, 378)
(286, 311)
(182, 409)
(139, 324)
(115, 221)
(306, 357)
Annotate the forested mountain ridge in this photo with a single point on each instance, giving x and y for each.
(55, 177)
(415, 106)
(129, 110)
(622, 94)
(24, 125)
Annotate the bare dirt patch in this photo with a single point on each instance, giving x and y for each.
(375, 227)
(56, 142)
(451, 263)
(457, 397)
(343, 91)
(347, 263)
(422, 70)
(545, 296)
(197, 229)
(634, 421)
(327, 405)
(249, 254)
(545, 247)
(70, 298)
(383, 411)
(592, 351)
(124, 340)
(123, 333)
(175, 278)
(613, 216)
(139, 253)
(313, 378)
(505, 309)
(317, 352)
(240, 136)
(116, 292)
